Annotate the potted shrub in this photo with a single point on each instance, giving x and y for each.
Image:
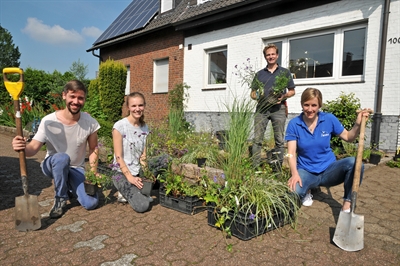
(95, 181)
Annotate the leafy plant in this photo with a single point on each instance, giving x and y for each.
(345, 109)
(393, 163)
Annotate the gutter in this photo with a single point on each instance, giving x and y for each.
(377, 118)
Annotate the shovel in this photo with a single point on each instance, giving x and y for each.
(27, 216)
(349, 233)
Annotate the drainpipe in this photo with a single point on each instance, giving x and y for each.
(376, 125)
(100, 58)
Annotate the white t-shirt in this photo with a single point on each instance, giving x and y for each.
(69, 139)
(133, 143)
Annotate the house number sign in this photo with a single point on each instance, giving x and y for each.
(394, 40)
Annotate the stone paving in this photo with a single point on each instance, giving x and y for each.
(113, 234)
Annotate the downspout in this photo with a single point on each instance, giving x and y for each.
(376, 125)
(100, 58)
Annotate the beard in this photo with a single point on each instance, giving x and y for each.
(74, 112)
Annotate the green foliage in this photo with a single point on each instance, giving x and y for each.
(92, 105)
(281, 82)
(112, 82)
(240, 126)
(393, 164)
(105, 131)
(176, 119)
(345, 109)
(79, 70)
(9, 57)
(9, 53)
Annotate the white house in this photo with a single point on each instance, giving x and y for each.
(335, 47)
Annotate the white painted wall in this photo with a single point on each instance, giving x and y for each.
(246, 41)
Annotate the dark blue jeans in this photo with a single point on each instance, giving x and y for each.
(68, 178)
(341, 171)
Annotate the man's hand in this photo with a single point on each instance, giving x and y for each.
(254, 95)
(19, 143)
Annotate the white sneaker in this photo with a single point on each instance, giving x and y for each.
(121, 198)
(307, 200)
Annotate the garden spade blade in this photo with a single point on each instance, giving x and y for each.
(27, 216)
(349, 233)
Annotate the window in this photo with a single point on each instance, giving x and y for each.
(216, 66)
(329, 56)
(161, 72)
(166, 5)
(128, 81)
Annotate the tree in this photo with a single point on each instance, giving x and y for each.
(79, 70)
(9, 53)
(9, 57)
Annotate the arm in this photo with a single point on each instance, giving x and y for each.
(19, 143)
(292, 159)
(117, 142)
(351, 135)
(93, 152)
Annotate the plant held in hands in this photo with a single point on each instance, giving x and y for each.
(277, 90)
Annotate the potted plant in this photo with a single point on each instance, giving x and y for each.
(375, 154)
(95, 181)
(277, 90)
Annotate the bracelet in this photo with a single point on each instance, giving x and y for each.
(288, 155)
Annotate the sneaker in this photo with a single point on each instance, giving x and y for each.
(121, 198)
(150, 199)
(307, 200)
(58, 208)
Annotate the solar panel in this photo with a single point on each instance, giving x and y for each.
(134, 17)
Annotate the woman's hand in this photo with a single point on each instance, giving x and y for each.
(293, 181)
(136, 181)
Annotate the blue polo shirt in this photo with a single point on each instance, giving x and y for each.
(314, 153)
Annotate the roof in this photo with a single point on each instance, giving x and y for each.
(188, 14)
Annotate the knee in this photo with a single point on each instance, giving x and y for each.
(90, 203)
(61, 158)
(140, 203)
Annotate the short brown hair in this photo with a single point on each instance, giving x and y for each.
(269, 46)
(74, 86)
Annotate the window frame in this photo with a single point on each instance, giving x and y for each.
(207, 53)
(338, 46)
(128, 80)
(155, 75)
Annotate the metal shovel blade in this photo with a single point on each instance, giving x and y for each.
(27, 215)
(349, 233)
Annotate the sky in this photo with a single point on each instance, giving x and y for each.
(52, 34)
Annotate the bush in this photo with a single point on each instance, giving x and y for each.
(345, 109)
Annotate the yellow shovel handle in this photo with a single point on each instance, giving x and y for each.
(14, 88)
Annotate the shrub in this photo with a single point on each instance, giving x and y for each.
(345, 109)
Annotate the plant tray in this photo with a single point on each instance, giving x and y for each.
(188, 205)
(242, 227)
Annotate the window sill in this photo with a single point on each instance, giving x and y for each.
(214, 89)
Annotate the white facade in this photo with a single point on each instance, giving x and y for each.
(247, 41)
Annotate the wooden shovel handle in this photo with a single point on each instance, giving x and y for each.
(22, 158)
(357, 171)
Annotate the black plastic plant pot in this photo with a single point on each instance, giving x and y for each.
(147, 187)
(90, 189)
(201, 162)
(374, 158)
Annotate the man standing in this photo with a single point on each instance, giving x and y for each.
(265, 111)
(66, 134)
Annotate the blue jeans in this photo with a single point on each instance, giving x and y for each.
(68, 178)
(277, 115)
(341, 171)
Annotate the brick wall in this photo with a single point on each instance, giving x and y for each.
(140, 54)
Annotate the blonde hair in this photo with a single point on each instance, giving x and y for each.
(311, 93)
